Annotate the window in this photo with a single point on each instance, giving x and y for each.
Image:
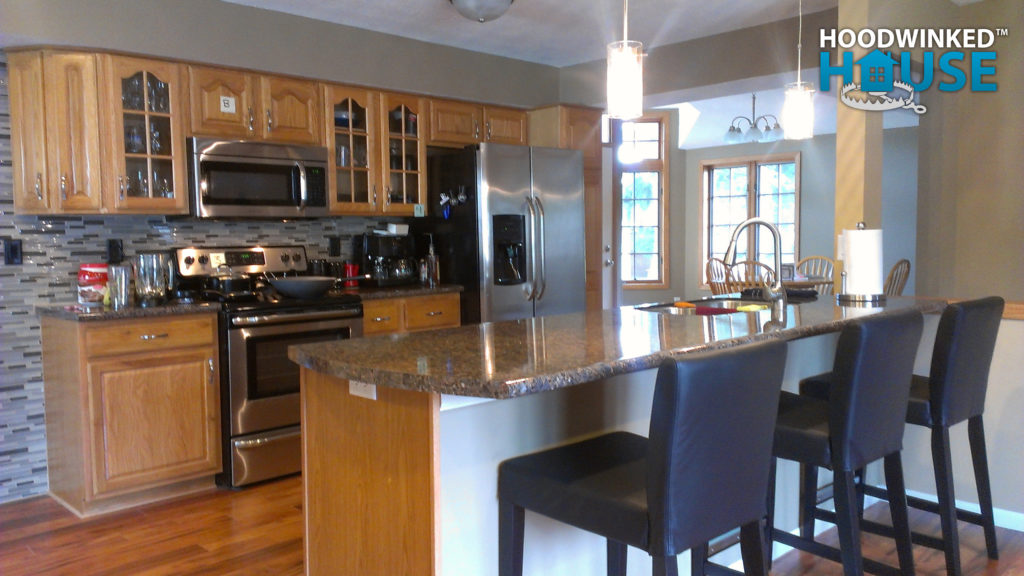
(738, 189)
(641, 175)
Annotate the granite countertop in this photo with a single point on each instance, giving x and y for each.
(77, 313)
(516, 358)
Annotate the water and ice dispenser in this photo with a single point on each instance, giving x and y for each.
(509, 256)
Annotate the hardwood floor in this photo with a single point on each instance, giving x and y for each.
(258, 531)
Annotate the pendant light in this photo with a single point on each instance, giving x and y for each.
(481, 10)
(625, 74)
(798, 109)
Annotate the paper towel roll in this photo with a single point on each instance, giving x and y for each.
(862, 261)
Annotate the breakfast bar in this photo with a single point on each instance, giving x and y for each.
(402, 433)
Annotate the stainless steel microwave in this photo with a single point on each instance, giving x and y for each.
(238, 178)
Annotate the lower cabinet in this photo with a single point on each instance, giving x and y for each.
(410, 314)
(132, 409)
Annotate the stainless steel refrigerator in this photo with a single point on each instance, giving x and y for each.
(507, 223)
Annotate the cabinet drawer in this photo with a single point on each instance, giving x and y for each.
(381, 316)
(127, 336)
(428, 312)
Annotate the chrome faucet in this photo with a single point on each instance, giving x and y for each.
(774, 292)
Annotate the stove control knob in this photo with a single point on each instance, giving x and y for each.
(296, 257)
(284, 258)
(203, 260)
(189, 261)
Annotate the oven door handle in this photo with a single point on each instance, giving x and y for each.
(265, 319)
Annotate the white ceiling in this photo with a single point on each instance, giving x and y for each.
(566, 32)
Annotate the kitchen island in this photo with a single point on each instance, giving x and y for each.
(400, 473)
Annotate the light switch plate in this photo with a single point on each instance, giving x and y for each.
(418, 210)
(362, 389)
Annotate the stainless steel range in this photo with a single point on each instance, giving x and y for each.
(259, 385)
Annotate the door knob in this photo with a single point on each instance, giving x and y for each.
(609, 263)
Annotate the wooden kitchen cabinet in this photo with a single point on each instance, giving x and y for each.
(144, 168)
(55, 132)
(411, 314)
(132, 409)
(240, 104)
(454, 123)
(579, 128)
(403, 153)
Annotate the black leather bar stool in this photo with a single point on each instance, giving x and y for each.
(702, 471)
(861, 422)
(954, 391)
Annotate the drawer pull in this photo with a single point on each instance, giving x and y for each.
(382, 318)
(435, 313)
(148, 337)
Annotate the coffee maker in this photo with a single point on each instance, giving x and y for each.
(388, 259)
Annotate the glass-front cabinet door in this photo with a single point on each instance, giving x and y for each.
(404, 153)
(146, 155)
(353, 141)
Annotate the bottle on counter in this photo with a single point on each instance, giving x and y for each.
(433, 269)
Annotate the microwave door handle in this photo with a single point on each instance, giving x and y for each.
(303, 191)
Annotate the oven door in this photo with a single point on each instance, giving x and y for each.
(263, 384)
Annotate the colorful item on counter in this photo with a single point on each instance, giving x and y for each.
(712, 310)
(92, 284)
(684, 305)
(752, 307)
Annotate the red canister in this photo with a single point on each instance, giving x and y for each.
(92, 284)
(351, 269)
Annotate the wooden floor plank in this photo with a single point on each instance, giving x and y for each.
(258, 532)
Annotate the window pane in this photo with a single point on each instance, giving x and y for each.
(647, 131)
(647, 213)
(628, 209)
(627, 185)
(627, 267)
(646, 185)
(646, 240)
(647, 150)
(645, 267)
(739, 181)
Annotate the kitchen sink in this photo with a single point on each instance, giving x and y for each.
(703, 307)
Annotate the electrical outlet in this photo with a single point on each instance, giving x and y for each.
(115, 251)
(334, 246)
(12, 252)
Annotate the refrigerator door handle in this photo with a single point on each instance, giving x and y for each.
(530, 287)
(541, 279)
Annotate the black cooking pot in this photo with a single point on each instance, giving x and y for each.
(227, 281)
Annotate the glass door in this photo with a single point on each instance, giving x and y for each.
(147, 138)
(404, 154)
(354, 177)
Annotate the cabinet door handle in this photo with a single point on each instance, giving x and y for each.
(488, 131)
(387, 196)
(381, 318)
(435, 313)
(148, 337)
(120, 186)
(252, 120)
(213, 371)
(64, 186)
(476, 129)
(270, 123)
(39, 185)
(374, 196)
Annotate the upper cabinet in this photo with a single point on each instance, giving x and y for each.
(239, 104)
(55, 132)
(353, 139)
(456, 123)
(403, 153)
(145, 165)
(96, 133)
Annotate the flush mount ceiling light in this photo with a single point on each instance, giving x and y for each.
(771, 132)
(798, 110)
(481, 10)
(625, 74)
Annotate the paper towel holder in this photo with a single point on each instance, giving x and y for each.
(866, 300)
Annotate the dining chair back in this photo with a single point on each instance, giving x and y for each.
(897, 278)
(749, 274)
(717, 273)
(818, 267)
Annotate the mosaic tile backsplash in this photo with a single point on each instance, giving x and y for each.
(53, 248)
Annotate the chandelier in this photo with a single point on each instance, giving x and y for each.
(481, 10)
(625, 74)
(763, 128)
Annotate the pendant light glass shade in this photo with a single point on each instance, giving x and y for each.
(625, 79)
(481, 10)
(798, 111)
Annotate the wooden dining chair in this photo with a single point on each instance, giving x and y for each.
(749, 274)
(717, 274)
(817, 266)
(897, 278)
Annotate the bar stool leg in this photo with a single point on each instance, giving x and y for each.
(976, 435)
(616, 558)
(769, 542)
(665, 566)
(752, 549)
(847, 522)
(511, 526)
(808, 499)
(941, 461)
(897, 495)
(698, 559)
